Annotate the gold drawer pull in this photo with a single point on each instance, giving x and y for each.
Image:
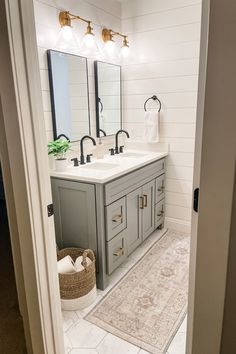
(161, 213)
(161, 189)
(141, 206)
(119, 253)
(145, 200)
(117, 218)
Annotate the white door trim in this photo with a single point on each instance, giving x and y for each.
(214, 170)
(197, 164)
(23, 124)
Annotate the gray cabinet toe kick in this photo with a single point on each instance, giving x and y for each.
(112, 219)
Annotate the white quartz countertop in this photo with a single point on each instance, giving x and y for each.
(109, 168)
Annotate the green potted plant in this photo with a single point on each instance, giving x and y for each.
(58, 148)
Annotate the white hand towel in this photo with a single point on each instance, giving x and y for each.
(78, 263)
(66, 265)
(151, 126)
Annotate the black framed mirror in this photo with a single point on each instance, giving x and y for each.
(68, 78)
(108, 98)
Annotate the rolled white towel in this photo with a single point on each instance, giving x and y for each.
(78, 263)
(66, 265)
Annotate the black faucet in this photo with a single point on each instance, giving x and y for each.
(82, 160)
(63, 136)
(117, 148)
(103, 132)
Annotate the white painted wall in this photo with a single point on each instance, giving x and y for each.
(164, 37)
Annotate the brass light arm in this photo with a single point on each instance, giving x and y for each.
(107, 35)
(113, 33)
(75, 17)
(65, 18)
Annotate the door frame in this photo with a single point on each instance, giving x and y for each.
(26, 180)
(214, 174)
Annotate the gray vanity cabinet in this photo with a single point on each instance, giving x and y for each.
(75, 214)
(113, 218)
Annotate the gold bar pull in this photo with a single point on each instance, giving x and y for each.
(145, 200)
(141, 206)
(119, 253)
(117, 218)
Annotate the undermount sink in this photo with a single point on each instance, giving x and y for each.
(132, 154)
(101, 166)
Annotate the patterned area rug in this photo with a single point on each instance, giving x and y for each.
(147, 306)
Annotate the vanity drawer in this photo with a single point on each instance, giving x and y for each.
(126, 184)
(160, 188)
(159, 213)
(116, 252)
(115, 218)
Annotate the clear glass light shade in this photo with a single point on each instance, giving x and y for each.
(89, 46)
(67, 39)
(89, 40)
(125, 51)
(110, 47)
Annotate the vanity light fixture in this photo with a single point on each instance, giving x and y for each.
(65, 18)
(107, 36)
(66, 39)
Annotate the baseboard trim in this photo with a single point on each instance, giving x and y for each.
(178, 225)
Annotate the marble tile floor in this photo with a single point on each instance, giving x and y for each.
(82, 337)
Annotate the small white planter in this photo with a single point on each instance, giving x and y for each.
(60, 165)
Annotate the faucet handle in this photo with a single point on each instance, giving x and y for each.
(112, 151)
(88, 157)
(82, 162)
(122, 148)
(76, 161)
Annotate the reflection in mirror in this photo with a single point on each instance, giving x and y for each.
(108, 97)
(68, 77)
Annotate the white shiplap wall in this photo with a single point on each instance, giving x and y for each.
(101, 13)
(165, 37)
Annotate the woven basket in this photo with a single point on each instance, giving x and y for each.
(77, 284)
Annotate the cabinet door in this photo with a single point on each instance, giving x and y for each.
(75, 216)
(134, 222)
(148, 222)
